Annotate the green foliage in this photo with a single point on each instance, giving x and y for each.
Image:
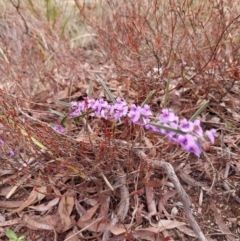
(51, 11)
(13, 237)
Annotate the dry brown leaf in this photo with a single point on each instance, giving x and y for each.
(10, 204)
(163, 201)
(69, 204)
(116, 230)
(4, 191)
(45, 207)
(80, 209)
(222, 226)
(89, 214)
(150, 200)
(165, 224)
(10, 222)
(93, 225)
(53, 220)
(186, 230)
(146, 234)
(150, 146)
(35, 196)
(66, 222)
(35, 222)
(103, 212)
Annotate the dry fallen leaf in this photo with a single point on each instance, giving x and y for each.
(163, 201)
(139, 235)
(66, 222)
(45, 207)
(35, 222)
(10, 204)
(10, 222)
(89, 214)
(35, 196)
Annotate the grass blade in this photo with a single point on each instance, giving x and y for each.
(148, 98)
(199, 111)
(167, 128)
(63, 103)
(57, 113)
(107, 90)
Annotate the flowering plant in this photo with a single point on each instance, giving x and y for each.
(187, 133)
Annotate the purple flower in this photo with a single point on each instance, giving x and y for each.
(74, 105)
(100, 107)
(2, 142)
(118, 110)
(189, 144)
(167, 116)
(197, 129)
(140, 115)
(134, 113)
(11, 153)
(146, 111)
(79, 108)
(186, 126)
(210, 135)
(183, 63)
(59, 129)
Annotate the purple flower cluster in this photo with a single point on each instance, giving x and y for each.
(190, 135)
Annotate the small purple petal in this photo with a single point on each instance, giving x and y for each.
(210, 135)
(59, 129)
(189, 144)
(197, 129)
(166, 116)
(186, 126)
(11, 153)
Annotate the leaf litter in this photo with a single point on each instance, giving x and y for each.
(84, 184)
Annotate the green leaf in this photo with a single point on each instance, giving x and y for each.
(199, 111)
(57, 113)
(64, 120)
(229, 125)
(63, 103)
(167, 128)
(21, 238)
(107, 90)
(148, 98)
(11, 234)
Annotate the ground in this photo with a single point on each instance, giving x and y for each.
(92, 177)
